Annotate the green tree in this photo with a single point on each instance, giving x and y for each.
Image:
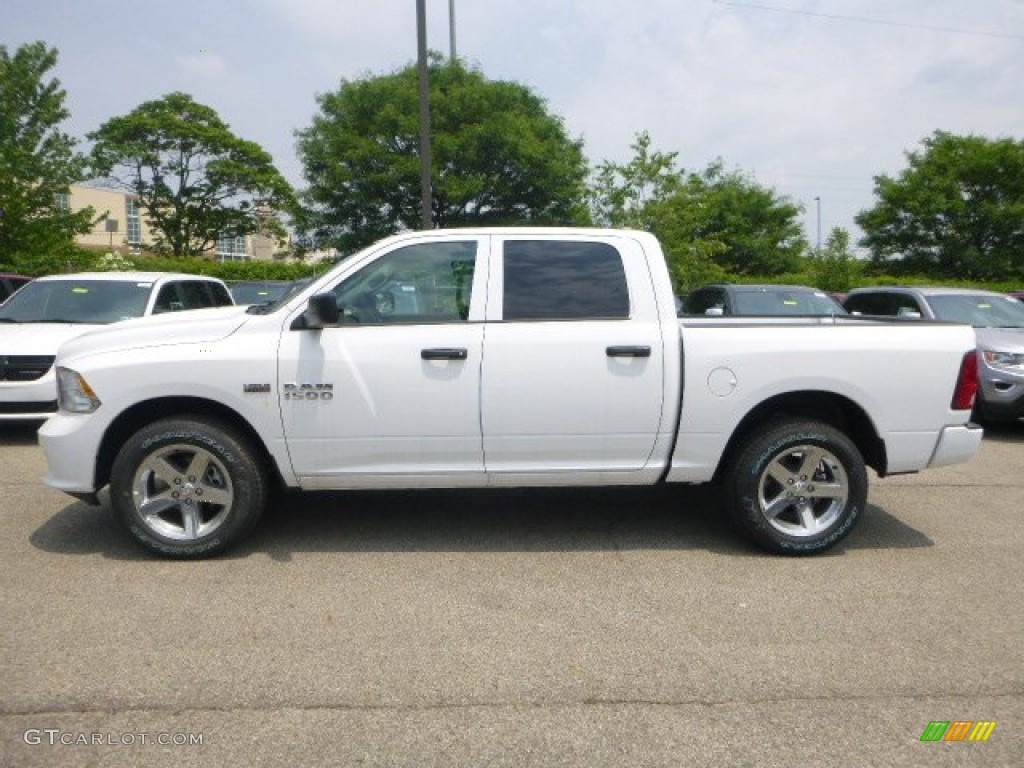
(956, 211)
(499, 157)
(712, 224)
(836, 268)
(760, 231)
(195, 179)
(626, 195)
(37, 166)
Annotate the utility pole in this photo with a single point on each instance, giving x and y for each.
(451, 29)
(425, 161)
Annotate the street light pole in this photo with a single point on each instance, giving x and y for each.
(818, 201)
(426, 207)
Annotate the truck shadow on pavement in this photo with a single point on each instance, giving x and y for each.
(1005, 432)
(19, 433)
(527, 520)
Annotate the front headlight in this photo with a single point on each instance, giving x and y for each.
(74, 393)
(999, 359)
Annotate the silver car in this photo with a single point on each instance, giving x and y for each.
(998, 321)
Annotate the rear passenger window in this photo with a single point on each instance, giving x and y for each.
(870, 304)
(195, 294)
(219, 294)
(702, 300)
(564, 280)
(169, 299)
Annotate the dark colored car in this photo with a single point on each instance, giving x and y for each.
(9, 283)
(733, 300)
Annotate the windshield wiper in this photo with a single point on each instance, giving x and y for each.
(261, 309)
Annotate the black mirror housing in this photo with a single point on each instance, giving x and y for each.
(322, 311)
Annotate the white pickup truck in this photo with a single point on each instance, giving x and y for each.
(501, 357)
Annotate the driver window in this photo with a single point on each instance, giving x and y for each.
(423, 283)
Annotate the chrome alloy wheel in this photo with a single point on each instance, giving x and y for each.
(803, 491)
(182, 492)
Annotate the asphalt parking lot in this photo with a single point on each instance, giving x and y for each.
(586, 628)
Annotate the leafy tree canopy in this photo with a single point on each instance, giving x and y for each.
(499, 157)
(712, 224)
(956, 211)
(194, 178)
(37, 165)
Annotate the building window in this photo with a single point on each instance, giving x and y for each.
(63, 201)
(231, 248)
(134, 223)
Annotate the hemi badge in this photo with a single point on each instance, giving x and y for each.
(255, 388)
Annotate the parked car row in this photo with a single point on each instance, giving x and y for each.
(53, 309)
(733, 300)
(48, 311)
(997, 318)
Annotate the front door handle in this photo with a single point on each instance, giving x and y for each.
(628, 351)
(445, 353)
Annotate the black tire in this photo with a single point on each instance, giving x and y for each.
(796, 487)
(188, 487)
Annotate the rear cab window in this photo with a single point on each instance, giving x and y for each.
(563, 280)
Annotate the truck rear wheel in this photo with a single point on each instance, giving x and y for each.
(188, 487)
(796, 487)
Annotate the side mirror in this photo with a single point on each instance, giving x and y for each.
(322, 311)
(714, 311)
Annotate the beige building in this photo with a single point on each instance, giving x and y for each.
(124, 230)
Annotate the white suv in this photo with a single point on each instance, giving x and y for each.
(44, 314)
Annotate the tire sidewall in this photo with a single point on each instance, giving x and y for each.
(747, 470)
(222, 443)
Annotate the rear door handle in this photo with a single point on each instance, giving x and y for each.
(444, 353)
(628, 351)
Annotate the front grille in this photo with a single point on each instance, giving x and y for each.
(16, 409)
(24, 367)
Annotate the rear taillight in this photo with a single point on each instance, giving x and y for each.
(966, 383)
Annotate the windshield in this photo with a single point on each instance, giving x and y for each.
(979, 310)
(76, 301)
(266, 307)
(779, 302)
(259, 292)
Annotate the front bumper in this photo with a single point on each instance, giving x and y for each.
(1000, 394)
(71, 444)
(956, 444)
(27, 400)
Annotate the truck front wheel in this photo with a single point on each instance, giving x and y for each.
(796, 487)
(188, 487)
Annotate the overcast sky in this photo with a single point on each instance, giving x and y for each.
(812, 98)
